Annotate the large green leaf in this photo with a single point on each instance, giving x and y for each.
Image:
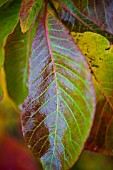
(9, 16)
(28, 13)
(76, 20)
(17, 52)
(100, 55)
(57, 114)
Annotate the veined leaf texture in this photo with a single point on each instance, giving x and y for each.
(57, 114)
(28, 13)
(81, 16)
(100, 12)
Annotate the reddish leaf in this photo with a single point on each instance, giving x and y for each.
(57, 114)
(14, 156)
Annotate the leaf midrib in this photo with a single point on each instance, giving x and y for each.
(46, 25)
(74, 15)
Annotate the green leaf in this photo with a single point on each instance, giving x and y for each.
(99, 53)
(2, 2)
(17, 52)
(9, 16)
(28, 13)
(57, 114)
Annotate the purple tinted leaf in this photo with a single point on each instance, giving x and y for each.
(100, 12)
(61, 97)
(77, 21)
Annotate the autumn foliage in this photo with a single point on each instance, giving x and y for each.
(57, 56)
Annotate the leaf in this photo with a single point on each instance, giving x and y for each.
(12, 155)
(17, 52)
(9, 16)
(100, 12)
(92, 161)
(100, 55)
(2, 2)
(76, 20)
(28, 13)
(57, 114)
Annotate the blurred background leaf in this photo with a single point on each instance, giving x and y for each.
(14, 155)
(9, 17)
(93, 161)
(17, 53)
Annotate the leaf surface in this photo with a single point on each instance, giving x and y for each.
(100, 12)
(77, 21)
(12, 155)
(9, 16)
(17, 52)
(28, 13)
(57, 114)
(100, 55)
